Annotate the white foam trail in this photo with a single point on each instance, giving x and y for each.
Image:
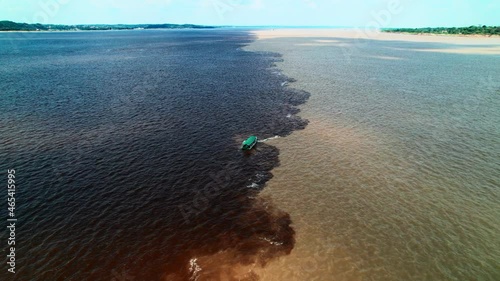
(253, 185)
(272, 138)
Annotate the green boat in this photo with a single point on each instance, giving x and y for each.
(249, 143)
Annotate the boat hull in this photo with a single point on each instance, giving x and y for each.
(249, 143)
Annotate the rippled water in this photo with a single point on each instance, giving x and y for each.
(126, 151)
(125, 145)
(397, 175)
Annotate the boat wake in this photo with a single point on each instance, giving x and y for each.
(268, 139)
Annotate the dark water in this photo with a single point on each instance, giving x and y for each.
(126, 151)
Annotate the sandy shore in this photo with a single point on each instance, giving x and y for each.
(458, 44)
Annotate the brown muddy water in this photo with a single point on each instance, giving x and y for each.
(397, 175)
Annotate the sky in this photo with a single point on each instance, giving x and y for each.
(345, 13)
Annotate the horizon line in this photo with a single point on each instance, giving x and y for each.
(252, 26)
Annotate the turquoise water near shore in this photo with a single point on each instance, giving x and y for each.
(397, 176)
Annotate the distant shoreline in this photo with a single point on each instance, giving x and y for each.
(11, 26)
(444, 34)
(470, 31)
(98, 30)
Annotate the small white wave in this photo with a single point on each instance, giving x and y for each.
(253, 185)
(194, 268)
(271, 241)
(260, 176)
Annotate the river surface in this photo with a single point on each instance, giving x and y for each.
(126, 151)
(126, 147)
(397, 175)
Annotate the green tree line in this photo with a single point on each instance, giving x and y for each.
(14, 26)
(470, 30)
